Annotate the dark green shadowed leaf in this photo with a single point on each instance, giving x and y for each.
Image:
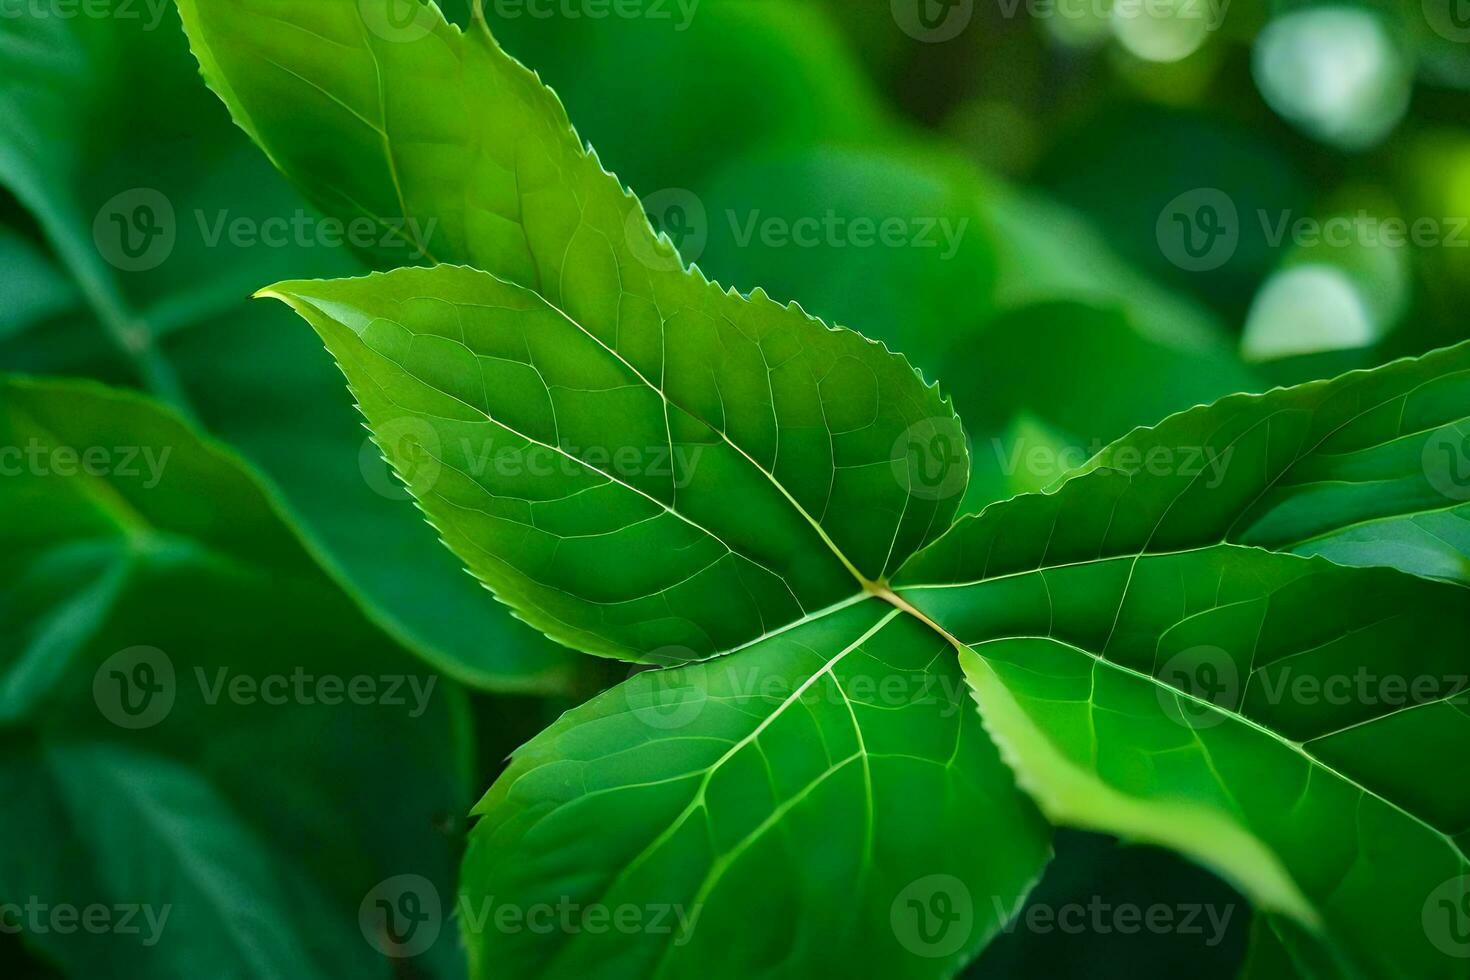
(162, 219)
(685, 71)
(168, 650)
(1281, 950)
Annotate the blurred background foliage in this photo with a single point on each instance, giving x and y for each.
(1068, 159)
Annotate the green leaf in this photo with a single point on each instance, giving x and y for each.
(830, 776)
(106, 116)
(1281, 950)
(586, 471)
(928, 298)
(1371, 468)
(533, 439)
(36, 289)
(586, 341)
(1147, 680)
(169, 837)
(1313, 808)
(647, 466)
(136, 551)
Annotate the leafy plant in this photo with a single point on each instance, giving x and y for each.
(647, 466)
(144, 582)
(108, 124)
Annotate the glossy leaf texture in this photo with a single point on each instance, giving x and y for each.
(665, 491)
(157, 613)
(831, 776)
(1148, 679)
(1370, 468)
(163, 218)
(872, 226)
(648, 466)
(655, 370)
(586, 338)
(969, 246)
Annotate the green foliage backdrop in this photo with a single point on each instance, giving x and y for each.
(890, 679)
